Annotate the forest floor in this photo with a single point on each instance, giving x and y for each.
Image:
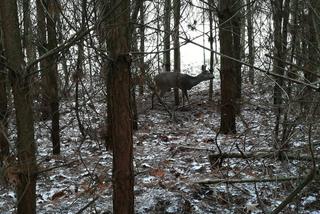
(171, 157)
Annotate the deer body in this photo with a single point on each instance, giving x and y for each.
(167, 80)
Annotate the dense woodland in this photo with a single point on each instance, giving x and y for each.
(89, 123)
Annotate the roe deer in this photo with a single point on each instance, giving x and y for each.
(167, 80)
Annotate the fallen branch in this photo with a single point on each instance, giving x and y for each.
(88, 205)
(239, 181)
(55, 167)
(295, 192)
(251, 155)
(308, 179)
(264, 154)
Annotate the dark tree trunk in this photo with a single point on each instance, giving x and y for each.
(28, 34)
(52, 78)
(4, 144)
(26, 149)
(78, 74)
(167, 33)
(250, 40)
(280, 23)
(142, 48)
(210, 3)
(108, 136)
(313, 46)
(236, 27)
(119, 75)
(134, 45)
(229, 78)
(42, 48)
(176, 44)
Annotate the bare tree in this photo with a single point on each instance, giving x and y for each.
(26, 188)
(230, 81)
(280, 11)
(211, 7)
(4, 144)
(52, 75)
(250, 39)
(28, 35)
(167, 33)
(121, 127)
(142, 46)
(43, 64)
(176, 45)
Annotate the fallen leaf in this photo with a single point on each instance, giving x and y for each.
(157, 172)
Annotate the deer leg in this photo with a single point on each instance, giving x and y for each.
(159, 96)
(152, 100)
(185, 95)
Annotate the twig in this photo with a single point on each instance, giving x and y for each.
(88, 205)
(55, 167)
(260, 202)
(294, 65)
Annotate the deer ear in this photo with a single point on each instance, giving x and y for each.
(203, 67)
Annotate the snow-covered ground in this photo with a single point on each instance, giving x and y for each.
(170, 158)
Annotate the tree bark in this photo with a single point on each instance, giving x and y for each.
(280, 23)
(228, 73)
(142, 48)
(28, 34)
(4, 144)
(52, 78)
(210, 3)
(133, 42)
(176, 44)
(237, 48)
(42, 49)
(119, 74)
(313, 44)
(26, 149)
(167, 30)
(250, 40)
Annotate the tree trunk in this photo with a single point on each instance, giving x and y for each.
(250, 40)
(228, 74)
(280, 23)
(4, 144)
(26, 149)
(52, 78)
(119, 74)
(65, 83)
(42, 49)
(237, 48)
(134, 46)
(166, 41)
(28, 34)
(108, 135)
(210, 3)
(176, 44)
(142, 49)
(312, 40)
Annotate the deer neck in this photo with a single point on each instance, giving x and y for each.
(192, 81)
